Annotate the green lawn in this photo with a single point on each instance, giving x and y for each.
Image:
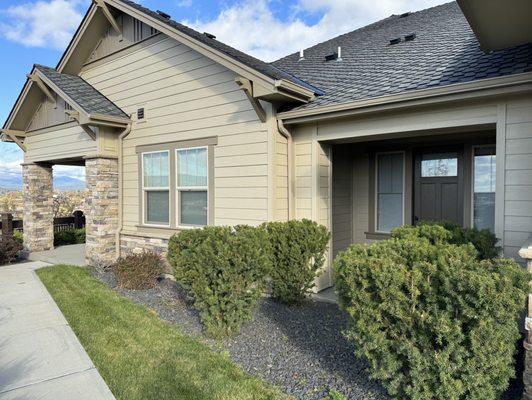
(139, 355)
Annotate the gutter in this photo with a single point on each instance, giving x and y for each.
(422, 96)
(283, 131)
(121, 137)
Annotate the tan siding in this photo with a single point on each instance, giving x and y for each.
(132, 32)
(361, 198)
(342, 201)
(49, 114)
(518, 175)
(281, 178)
(55, 144)
(187, 96)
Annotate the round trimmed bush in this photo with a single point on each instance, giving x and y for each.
(434, 321)
(139, 271)
(224, 269)
(484, 241)
(298, 252)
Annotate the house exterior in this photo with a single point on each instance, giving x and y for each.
(425, 115)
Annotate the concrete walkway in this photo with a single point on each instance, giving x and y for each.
(73, 254)
(40, 356)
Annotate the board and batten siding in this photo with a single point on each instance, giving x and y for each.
(58, 142)
(281, 178)
(518, 174)
(187, 96)
(342, 201)
(49, 114)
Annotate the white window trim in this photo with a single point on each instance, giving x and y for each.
(376, 183)
(180, 189)
(472, 205)
(154, 189)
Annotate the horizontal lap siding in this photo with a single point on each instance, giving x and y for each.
(55, 144)
(518, 176)
(187, 96)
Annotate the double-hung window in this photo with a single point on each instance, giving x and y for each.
(156, 188)
(390, 191)
(192, 186)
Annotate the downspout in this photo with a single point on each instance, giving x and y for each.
(121, 137)
(283, 131)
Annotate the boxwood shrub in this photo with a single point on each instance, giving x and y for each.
(434, 321)
(69, 236)
(224, 269)
(484, 240)
(298, 251)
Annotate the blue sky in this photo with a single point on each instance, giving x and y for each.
(37, 31)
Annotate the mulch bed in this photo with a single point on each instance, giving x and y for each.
(299, 349)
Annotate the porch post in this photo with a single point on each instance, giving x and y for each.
(526, 253)
(102, 211)
(38, 220)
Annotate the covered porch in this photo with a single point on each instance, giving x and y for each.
(403, 179)
(60, 119)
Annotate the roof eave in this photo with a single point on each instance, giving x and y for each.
(523, 82)
(302, 94)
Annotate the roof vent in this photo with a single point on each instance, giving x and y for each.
(339, 54)
(301, 55)
(410, 37)
(404, 15)
(163, 14)
(330, 57)
(209, 35)
(396, 40)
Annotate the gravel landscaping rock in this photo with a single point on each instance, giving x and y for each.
(299, 349)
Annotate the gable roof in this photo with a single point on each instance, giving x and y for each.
(265, 68)
(445, 51)
(82, 93)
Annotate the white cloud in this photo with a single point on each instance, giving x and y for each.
(252, 26)
(43, 23)
(71, 172)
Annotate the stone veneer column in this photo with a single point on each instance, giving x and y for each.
(102, 211)
(38, 207)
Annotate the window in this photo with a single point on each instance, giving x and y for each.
(155, 187)
(390, 181)
(439, 165)
(192, 186)
(484, 188)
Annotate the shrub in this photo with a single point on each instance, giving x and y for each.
(69, 236)
(298, 252)
(224, 269)
(434, 321)
(18, 236)
(138, 271)
(9, 249)
(484, 240)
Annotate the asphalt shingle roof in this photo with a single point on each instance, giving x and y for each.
(265, 68)
(445, 51)
(88, 98)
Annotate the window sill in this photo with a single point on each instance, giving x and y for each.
(377, 235)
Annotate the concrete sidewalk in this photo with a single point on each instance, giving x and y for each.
(73, 254)
(40, 356)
